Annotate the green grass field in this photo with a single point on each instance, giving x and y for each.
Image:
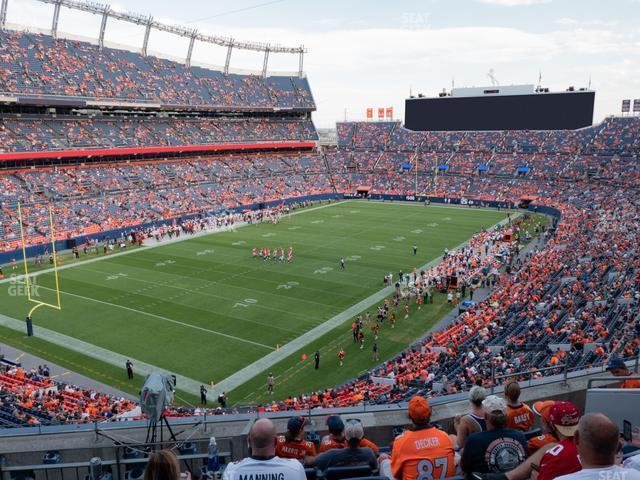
(204, 308)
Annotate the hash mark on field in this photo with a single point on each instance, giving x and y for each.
(117, 276)
(204, 252)
(166, 319)
(337, 216)
(432, 224)
(354, 211)
(165, 263)
(323, 270)
(417, 231)
(239, 242)
(267, 235)
(296, 227)
(377, 248)
(317, 221)
(288, 285)
(399, 239)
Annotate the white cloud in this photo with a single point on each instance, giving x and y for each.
(514, 3)
(354, 68)
(572, 22)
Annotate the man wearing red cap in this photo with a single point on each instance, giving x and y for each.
(422, 452)
(553, 459)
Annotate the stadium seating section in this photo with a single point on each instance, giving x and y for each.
(33, 64)
(575, 290)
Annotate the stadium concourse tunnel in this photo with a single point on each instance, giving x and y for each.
(64, 452)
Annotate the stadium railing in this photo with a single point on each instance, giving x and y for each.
(119, 467)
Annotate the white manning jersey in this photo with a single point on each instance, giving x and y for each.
(275, 468)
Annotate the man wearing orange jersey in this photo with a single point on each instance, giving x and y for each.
(543, 408)
(292, 445)
(336, 438)
(519, 415)
(421, 453)
(618, 368)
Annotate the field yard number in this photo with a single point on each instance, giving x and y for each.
(288, 285)
(399, 239)
(447, 218)
(354, 211)
(165, 263)
(417, 231)
(337, 216)
(204, 252)
(323, 270)
(117, 276)
(353, 258)
(246, 302)
(267, 235)
(317, 221)
(377, 248)
(432, 224)
(239, 242)
(294, 227)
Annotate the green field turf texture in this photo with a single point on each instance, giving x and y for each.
(233, 309)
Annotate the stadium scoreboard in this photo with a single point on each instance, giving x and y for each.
(515, 107)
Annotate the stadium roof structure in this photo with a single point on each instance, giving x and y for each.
(106, 11)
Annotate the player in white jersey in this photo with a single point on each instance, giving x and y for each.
(263, 464)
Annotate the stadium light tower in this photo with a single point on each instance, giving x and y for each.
(147, 21)
(3, 13)
(228, 59)
(301, 61)
(103, 25)
(56, 17)
(147, 32)
(192, 42)
(265, 62)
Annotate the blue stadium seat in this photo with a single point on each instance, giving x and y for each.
(338, 473)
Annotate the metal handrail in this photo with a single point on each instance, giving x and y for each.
(611, 379)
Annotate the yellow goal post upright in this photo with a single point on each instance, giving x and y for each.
(38, 303)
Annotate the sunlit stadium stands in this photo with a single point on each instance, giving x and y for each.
(34, 64)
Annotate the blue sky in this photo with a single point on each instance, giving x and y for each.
(371, 53)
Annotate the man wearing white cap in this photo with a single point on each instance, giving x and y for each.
(498, 449)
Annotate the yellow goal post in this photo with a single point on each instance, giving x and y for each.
(38, 303)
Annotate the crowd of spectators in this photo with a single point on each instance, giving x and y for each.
(104, 197)
(30, 134)
(34, 64)
(33, 398)
(573, 447)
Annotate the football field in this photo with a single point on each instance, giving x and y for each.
(206, 309)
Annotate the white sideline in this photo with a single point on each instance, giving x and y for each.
(184, 383)
(262, 364)
(160, 243)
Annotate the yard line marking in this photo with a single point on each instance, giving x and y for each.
(268, 361)
(205, 283)
(112, 358)
(166, 319)
(161, 243)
